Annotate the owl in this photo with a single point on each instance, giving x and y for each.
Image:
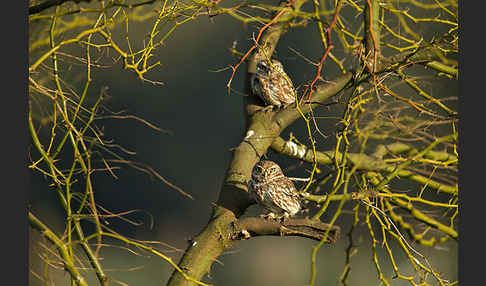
(271, 189)
(272, 84)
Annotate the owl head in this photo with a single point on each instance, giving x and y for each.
(266, 171)
(263, 67)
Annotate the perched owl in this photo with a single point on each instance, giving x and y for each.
(272, 84)
(273, 190)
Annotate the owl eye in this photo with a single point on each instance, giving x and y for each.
(262, 67)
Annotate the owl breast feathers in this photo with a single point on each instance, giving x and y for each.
(273, 190)
(272, 84)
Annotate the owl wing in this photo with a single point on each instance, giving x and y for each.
(261, 87)
(283, 86)
(285, 195)
(288, 187)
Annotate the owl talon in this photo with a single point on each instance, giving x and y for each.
(285, 217)
(268, 216)
(271, 216)
(267, 108)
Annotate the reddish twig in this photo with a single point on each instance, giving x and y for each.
(372, 34)
(308, 90)
(260, 32)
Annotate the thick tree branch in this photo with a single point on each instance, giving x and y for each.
(425, 54)
(50, 3)
(288, 115)
(252, 226)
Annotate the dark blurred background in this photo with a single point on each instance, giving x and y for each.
(204, 123)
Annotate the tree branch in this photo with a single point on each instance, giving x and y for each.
(365, 162)
(50, 3)
(253, 226)
(68, 261)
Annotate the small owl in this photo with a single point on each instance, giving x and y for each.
(273, 190)
(272, 84)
